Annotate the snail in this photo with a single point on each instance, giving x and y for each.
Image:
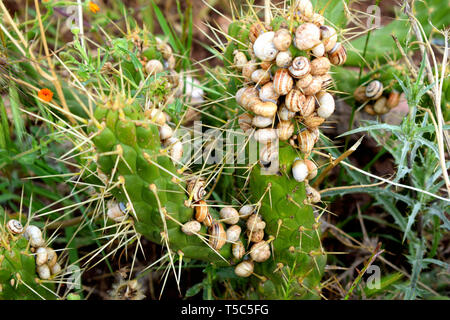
(55, 269)
(156, 115)
(327, 80)
(337, 55)
(191, 227)
(51, 257)
(255, 222)
(255, 30)
(312, 194)
(248, 69)
(261, 122)
(34, 235)
(229, 215)
(14, 226)
(282, 39)
(238, 250)
(360, 94)
(116, 211)
(285, 114)
(304, 82)
(305, 7)
(264, 47)
(320, 66)
(313, 121)
(374, 90)
(41, 256)
(295, 100)
(326, 104)
(314, 87)
(369, 109)
(260, 252)
(308, 107)
(246, 211)
(283, 59)
(312, 169)
(265, 135)
(317, 19)
(265, 65)
(328, 36)
(154, 67)
(285, 130)
(176, 148)
(393, 99)
(300, 67)
(244, 95)
(306, 141)
(245, 122)
(307, 36)
(43, 272)
(233, 233)
(282, 82)
(318, 50)
(267, 93)
(265, 108)
(201, 211)
(165, 132)
(380, 106)
(255, 235)
(244, 269)
(299, 170)
(240, 59)
(260, 76)
(196, 188)
(218, 236)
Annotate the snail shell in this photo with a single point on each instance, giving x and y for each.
(300, 67)
(295, 100)
(326, 104)
(255, 222)
(245, 122)
(233, 233)
(327, 80)
(314, 87)
(255, 30)
(44, 272)
(201, 211)
(176, 149)
(337, 55)
(374, 90)
(282, 39)
(264, 47)
(153, 67)
(244, 95)
(218, 236)
(318, 50)
(315, 133)
(260, 252)
(268, 153)
(165, 132)
(41, 256)
(196, 188)
(116, 211)
(305, 7)
(317, 19)
(312, 194)
(312, 169)
(299, 170)
(285, 114)
(156, 116)
(229, 215)
(248, 69)
(320, 66)
(246, 211)
(265, 108)
(380, 106)
(304, 82)
(261, 122)
(244, 269)
(34, 235)
(393, 100)
(328, 36)
(307, 36)
(208, 220)
(255, 235)
(360, 94)
(369, 109)
(308, 107)
(265, 135)
(55, 269)
(240, 59)
(14, 226)
(313, 121)
(265, 65)
(191, 227)
(260, 76)
(51, 257)
(306, 141)
(238, 250)
(267, 93)
(282, 82)
(285, 130)
(283, 59)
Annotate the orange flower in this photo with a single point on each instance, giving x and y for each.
(45, 94)
(93, 7)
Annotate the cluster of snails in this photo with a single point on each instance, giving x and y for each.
(376, 102)
(46, 257)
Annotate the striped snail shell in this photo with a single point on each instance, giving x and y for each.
(260, 76)
(380, 106)
(337, 55)
(304, 82)
(318, 50)
(306, 141)
(393, 100)
(255, 235)
(264, 47)
(300, 67)
(312, 169)
(196, 188)
(44, 272)
(313, 121)
(153, 67)
(265, 108)
(201, 211)
(240, 59)
(261, 122)
(360, 94)
(245, 122)
(295, 100)
(255, 30)
(255, 222)
(305, 7)
(51, 257)
(299, 170)
(246, 211)
(244, 95)
(314, 87)
(229, 215)
(285, 130)
(283, 59)
(14, 226)
(233, 233)
(312, 194)
(327, 80)
(328, 36)
(267, 93)
(307, 36)
(326, 104)
(320, 66)
(165, 132)
(248, 69)
(265, 135)
(308, 107)
(244, 269)
(374, 90)
(282, 39)
(208, 220)
(218, 236)
(238, 250)
(191, 227)
(282, 82)
(260, 252)
(285, 114)
(41, 256)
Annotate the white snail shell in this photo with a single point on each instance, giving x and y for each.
(295, 100)
(218, 236)
(307, 36)
(284, 59)
(176, 149)
(285, 130)
(55, 269)
(32, 232)
(267, 93)
(312, 169)
(265, 135)
(374, 90)
(255, 235)
(14, 226)
(326, 104)
(246, 211)
(305, 7)
(248, 69)
(191, 227)
(51, 257)
(268, 153)
(308, 106)
(329, 37)
(240, 59)
(264, 48)
(282, 82)
(41, 256)
(318, 50)
(380, 106)
(314, 87)
(261, 122)
(338, 55)
(238, 250)
(304, 82)
(165, 132)
(312, 194)
(260, 76)
(300, 67)
(233, 233)
(156, 116)
(43, 272)
(255, 222)
(265, 108)
(116, 211)
(320, 66)
(153, 67)
(260, 252)
(229, 215)
(299, 170)
(285, 114)
(317, 19)
(244, 269)
(282, 39)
